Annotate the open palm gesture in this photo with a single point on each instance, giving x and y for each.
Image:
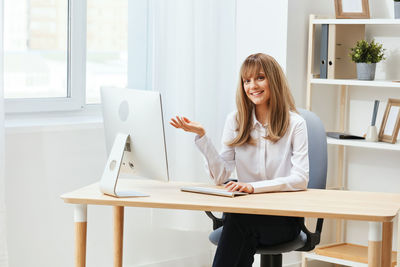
(187, 125)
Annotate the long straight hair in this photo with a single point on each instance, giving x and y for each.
(280, 102)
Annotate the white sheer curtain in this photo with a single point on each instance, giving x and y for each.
(3, 240)
(193, 66)
(194, 69)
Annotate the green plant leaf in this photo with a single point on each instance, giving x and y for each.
(364, 52)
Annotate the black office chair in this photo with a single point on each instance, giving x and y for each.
(271, 256)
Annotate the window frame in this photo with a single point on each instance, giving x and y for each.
(76, 70)
(140, 57)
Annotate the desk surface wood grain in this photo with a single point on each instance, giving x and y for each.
(352, 205)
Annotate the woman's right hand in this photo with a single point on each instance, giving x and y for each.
(187, 125)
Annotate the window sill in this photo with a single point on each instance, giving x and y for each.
(89, 118)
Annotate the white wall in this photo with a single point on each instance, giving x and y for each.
(3, 213)
(261, 27)
(297, 42)
(44, 164)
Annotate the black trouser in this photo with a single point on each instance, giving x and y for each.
(243, 233)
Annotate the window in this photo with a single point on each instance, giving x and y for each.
(58, 53)
(35, 48)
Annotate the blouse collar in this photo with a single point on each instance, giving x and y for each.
(255, 121)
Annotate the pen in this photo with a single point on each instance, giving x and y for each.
(376, 105)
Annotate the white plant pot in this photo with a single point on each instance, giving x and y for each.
(372, 134)
(366, 71)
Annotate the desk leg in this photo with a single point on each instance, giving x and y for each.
(80, 218)
(374, 244)
(398, 239)
(303, 259)
(387, 235)
(118, 235)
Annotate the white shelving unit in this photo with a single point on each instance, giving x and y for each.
(375, 83)
(363, 144)
(357, 21)
(317, 257)
(343, 253)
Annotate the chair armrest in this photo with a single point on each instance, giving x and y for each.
(313, 239)
(217, 222)
(318, 228)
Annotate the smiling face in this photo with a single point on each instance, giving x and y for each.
(257, 89)
(262, 88)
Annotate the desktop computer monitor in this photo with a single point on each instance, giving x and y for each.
(135, 140)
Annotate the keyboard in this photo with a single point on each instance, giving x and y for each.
(212, 191)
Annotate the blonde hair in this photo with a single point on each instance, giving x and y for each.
(279, 104)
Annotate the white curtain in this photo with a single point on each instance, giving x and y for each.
(194, 69)
(193, 66)
(3, 240)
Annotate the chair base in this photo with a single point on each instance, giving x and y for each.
(271, 260)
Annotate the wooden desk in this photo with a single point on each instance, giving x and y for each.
(378, 208)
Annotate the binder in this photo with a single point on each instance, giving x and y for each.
(331, 51)
(324, 52)
(342, 37)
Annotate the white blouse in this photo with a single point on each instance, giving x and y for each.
(268, 167)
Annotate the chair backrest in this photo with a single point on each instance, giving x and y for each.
(317, 149)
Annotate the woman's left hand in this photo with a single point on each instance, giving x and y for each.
(241, 187)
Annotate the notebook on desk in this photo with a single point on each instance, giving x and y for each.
(212, 191)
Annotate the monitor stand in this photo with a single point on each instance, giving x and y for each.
(108, 182)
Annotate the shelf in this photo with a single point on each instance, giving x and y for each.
(315, 256)
(358, 21)
(344, 253)
(375, 83)
(349, 252)
(363, 143)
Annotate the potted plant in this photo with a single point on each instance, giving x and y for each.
(366, 55)
(397, 9)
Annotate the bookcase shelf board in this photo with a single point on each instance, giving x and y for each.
(340, 262)
(357, 21)
(364, 144)
(350, 252)
(345, 254)
(375, 83)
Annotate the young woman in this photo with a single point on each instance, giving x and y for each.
(266, 140)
